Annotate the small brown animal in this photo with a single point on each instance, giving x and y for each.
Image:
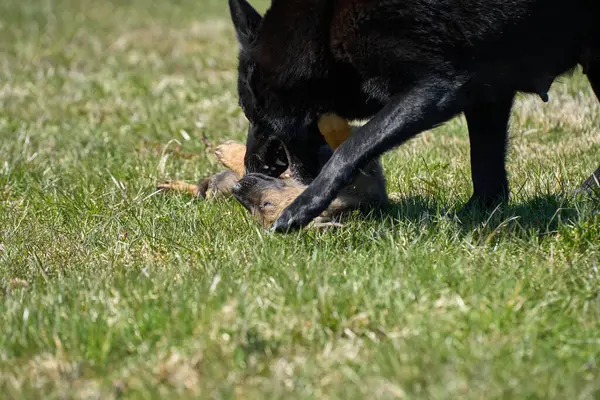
(266, 197)
(231, 155)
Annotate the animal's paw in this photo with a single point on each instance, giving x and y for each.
(484, 204)
(231, 155)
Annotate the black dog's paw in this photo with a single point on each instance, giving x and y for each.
(306, 207)
(287, 222)
(485, 204)
(297, 215)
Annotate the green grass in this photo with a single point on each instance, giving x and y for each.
(108, 289)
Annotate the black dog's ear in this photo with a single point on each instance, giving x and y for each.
(245, 20)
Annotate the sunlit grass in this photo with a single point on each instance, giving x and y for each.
(109, 289)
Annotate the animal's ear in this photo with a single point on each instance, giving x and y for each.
(245, 20)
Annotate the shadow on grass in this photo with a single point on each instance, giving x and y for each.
(538, 216)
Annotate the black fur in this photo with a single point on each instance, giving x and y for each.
(409, 65)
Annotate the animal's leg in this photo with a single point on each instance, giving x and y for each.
(592, 69)
(180, 187)
(592, 183)
(218, 185)
(231, 155)
(432, 102)
(488, 134)
(593, 74)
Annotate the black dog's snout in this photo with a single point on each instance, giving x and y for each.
(265, 154)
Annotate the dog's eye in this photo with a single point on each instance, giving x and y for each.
(266, 204)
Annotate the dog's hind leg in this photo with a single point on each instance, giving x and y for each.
(487, 120)
(594, 78)
(592, 183)
(592, 69)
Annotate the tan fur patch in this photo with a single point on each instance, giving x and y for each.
(280, 199)
(231, 155)
(179, 187)
(335, 129)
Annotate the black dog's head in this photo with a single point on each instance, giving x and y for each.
(274, 100)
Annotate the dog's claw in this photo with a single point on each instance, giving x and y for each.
(285, 224)
(281, 226)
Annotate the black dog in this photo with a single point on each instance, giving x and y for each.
(407, 64)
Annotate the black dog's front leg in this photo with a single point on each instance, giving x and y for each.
(419, 109)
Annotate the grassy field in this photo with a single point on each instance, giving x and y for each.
(110, 290)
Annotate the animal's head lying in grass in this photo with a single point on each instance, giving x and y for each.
(266, 196)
